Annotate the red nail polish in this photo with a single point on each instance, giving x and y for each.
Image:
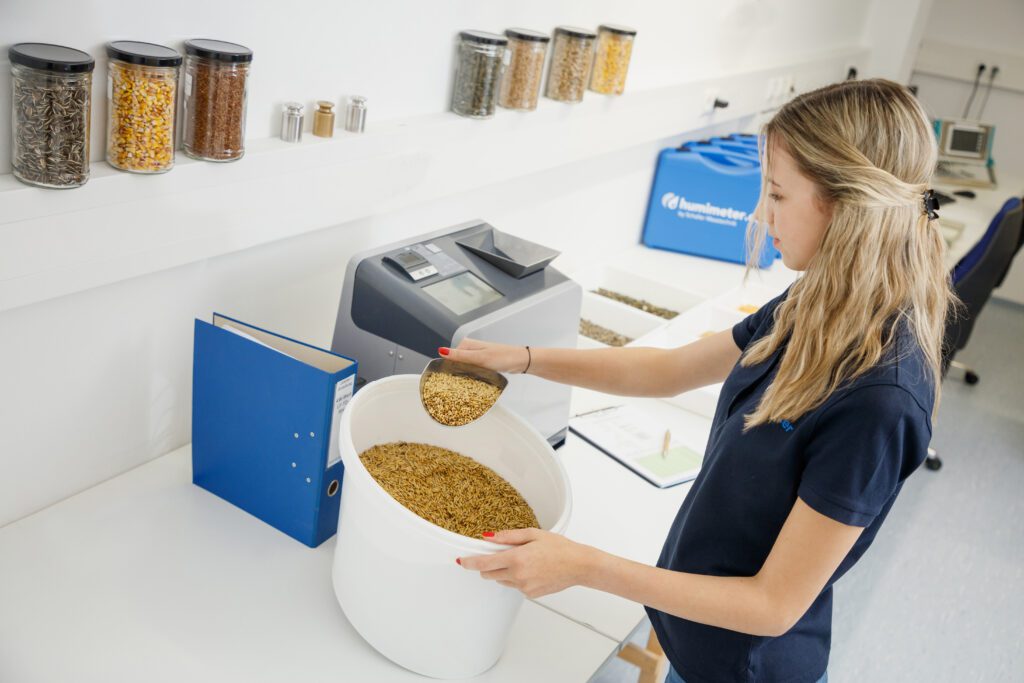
(443, 350)
(488, 534)
(458, 561)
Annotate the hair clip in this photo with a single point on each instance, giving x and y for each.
(931, 204)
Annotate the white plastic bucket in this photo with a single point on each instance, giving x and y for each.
(394, 573)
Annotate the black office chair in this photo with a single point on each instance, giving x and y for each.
(1020, 241)
(974, 278)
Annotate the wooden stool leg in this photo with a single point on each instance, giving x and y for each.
(650, 660)
(653, 645)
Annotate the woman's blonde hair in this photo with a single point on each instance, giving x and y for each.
(869, 148)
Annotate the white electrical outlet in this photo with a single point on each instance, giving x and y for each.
(710, 95)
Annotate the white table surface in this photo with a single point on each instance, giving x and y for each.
(147, 577)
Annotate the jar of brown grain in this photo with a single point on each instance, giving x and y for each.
(520, 85)
(216, 86)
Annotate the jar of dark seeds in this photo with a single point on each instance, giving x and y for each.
(51, 100)
(216, 83)
(520, 86)
(141, 93)
(482, 57)
(611, 59)
(572, 53)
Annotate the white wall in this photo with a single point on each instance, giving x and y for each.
(97, 382)
(989, 31)
(892, 31)
(995, 24)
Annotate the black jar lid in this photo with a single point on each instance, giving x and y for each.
(218, 50)
(146, 54)
(575, 32)
(483, 37)
(617, 28)
(51, 58)
(527, 34)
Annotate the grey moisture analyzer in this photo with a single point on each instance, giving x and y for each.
(402, 301)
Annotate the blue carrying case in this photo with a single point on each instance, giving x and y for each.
(701, 200)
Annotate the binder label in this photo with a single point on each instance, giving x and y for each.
(342, 395)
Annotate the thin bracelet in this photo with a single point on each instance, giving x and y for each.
(529, 360)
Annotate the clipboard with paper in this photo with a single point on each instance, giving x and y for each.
(637, 440)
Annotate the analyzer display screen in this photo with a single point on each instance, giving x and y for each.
(463, 293)
(966, 141)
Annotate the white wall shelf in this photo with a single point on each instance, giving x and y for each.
(120, 225)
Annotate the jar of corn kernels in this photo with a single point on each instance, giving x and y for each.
(611, 59)
(142, 85)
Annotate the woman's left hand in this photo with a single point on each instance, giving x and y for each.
(541, 563)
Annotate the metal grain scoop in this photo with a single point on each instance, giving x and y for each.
(455, 394)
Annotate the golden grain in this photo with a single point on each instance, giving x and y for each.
(456, 400)
(448, 489)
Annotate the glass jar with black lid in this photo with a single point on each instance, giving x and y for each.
(142, 87)
(520, 85)
(572, 52)
(482, 57)
(215, 94)
(611, 58)
(51, 104)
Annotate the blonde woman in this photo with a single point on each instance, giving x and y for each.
(825, 411)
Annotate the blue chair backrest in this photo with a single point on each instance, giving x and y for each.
(973, 257)
(975, 276)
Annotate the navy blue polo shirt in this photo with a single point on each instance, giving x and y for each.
(846, 459)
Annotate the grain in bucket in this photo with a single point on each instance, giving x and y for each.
(447, 488)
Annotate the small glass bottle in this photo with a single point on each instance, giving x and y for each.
(323, 119)
(216, 88)
(611, 59)
(482, 58)
(520, 86)
(142, 86)
(572, 53)
(51, 103)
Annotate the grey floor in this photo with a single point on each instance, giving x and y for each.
(940, 594)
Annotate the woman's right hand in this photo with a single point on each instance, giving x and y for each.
(498, 357)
